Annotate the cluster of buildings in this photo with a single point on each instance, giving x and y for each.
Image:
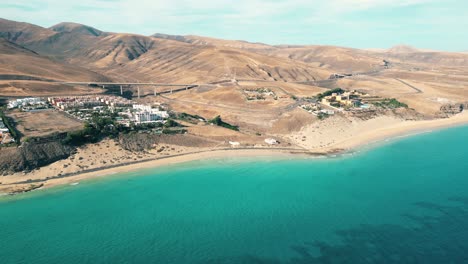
(28, 104)
(259, 94)
(316, 109)
(5, 136)
(74, 102)
(349, 100)
(340, 101)
(127, 111)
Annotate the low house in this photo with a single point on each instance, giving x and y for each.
(271, 141)
(327, 111)
(3, 128)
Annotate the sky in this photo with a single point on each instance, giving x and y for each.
(427, 24)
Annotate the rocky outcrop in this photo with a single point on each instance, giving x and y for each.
(143, 141)
(137, 142)
(32, 155)
(453, 109)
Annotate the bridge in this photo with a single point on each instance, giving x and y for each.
(122, 84)
(126, 84)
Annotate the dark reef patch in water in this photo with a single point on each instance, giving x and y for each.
(436, 239)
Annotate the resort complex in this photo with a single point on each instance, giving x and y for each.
(126, 112)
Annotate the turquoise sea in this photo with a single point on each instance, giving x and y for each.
(405, 201)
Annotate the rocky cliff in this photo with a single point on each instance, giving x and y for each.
(32, 155)
(141, 142)
(453, 109)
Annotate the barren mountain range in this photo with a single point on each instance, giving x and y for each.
(31, 54)
(197, 59)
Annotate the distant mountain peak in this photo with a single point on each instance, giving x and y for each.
(171, 37)
(76, 28)
(402, 49)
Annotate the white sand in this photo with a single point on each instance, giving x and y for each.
(339, 133)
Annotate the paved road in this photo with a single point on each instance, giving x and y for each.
(410, 86)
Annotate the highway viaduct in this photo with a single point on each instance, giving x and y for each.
(127, 84)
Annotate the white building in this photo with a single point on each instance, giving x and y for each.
(142, 107)
(3, 128)
(327, 111)
(145, 114)
(271, 141)
(24, 102)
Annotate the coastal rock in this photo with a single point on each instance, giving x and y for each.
(452, 109)
(141, 142)
(137, 142)
(32, 155)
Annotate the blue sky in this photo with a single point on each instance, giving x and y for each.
(429, 24)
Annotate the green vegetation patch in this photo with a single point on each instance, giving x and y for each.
(100, 127)
(174, 131)
(390, 104)
(322, 116)
(219, 122)
(171, 123)
(190, 118)
(330, 92)
(93, 131)
(172, 127)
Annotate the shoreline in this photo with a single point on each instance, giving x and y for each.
(185, 157)
(412, 128)
(366, 140)
(73, 178)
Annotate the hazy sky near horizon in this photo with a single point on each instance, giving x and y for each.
(430, 24)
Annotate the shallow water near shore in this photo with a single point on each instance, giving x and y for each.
(403, 202)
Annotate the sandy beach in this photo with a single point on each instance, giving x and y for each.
(344, 134)
(17, 183)
(330, 136)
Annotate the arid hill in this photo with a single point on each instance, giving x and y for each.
(173, 61)
(425, 80)
(402, 49)
(24, 72)
(199, 40)
(19, 32)
(76, 29)
(22, 64)
(194, 59)
(339, 59)
(434, 58)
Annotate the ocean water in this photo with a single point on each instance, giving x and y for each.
(405, 201)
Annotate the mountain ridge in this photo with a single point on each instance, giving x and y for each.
(190, 58)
